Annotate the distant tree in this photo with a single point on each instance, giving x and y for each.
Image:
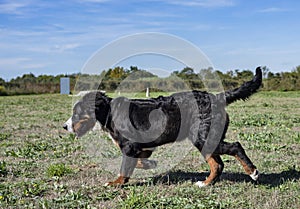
(223, 76)
(118, 73)
(265, 71)
(187, 73)
(245, 74)
(236, 72)
(2, 82)
(175, 73)
(278, 75)
(230, 73)
(133, 69)
(137, 74)
(297, 70)
(107, 74)
(270, 75)
(208, 73)
(28, 77)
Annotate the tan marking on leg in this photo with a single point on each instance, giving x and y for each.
(144, 163)
(248, 170)
(215, 171)
(139, 164)
(213, 165)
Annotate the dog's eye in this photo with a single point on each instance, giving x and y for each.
(75, 117)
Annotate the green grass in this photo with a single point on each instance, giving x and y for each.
(42, 166)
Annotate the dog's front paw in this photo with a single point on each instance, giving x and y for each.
(255, 175)
(201, 184)
(119, 181)
(111, 183)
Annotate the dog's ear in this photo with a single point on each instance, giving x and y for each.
(78, 108)
(88, 104)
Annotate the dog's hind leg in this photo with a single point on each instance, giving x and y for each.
(216, 166)
(143, 161)
(236, 150)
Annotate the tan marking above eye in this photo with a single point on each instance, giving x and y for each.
(86, 117)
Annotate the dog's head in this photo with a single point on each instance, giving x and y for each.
(93, 106)
(81, 121)
(83, 118)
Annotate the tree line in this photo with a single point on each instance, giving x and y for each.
(135, 79)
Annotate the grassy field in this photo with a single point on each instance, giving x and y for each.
(41, 166)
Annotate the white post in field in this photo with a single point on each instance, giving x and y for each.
(147, 92)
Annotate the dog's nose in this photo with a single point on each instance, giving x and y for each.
(65, 126)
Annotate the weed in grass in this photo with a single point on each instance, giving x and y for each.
(108, 194)
(24, 168)
(73, 199)
(265, 141)
(16, 194)
(63, 150)
(58, 170)
(59, 187)
(7, 195)
(32, 188)
(4, 136)
(296, 137)
(30, 150)
(257, 120)
(3, 169)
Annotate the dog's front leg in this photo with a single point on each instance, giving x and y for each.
(127, 167)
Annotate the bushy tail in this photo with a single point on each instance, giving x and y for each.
(245, 90)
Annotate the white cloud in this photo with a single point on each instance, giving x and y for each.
(10, 7)
(20, 33)
(202, 3)
(272, 9)
(34, 66)
(66, 47)
(12, 66)
(93, 1)
(155, 14)
(13, 61)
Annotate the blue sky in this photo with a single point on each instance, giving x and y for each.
(54, 37)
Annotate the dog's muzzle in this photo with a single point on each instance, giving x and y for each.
(65, 126)
(68, 125)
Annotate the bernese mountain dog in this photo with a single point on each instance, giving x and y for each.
(138, 126)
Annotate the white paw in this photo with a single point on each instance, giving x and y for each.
(200, 184)
(255, 175)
